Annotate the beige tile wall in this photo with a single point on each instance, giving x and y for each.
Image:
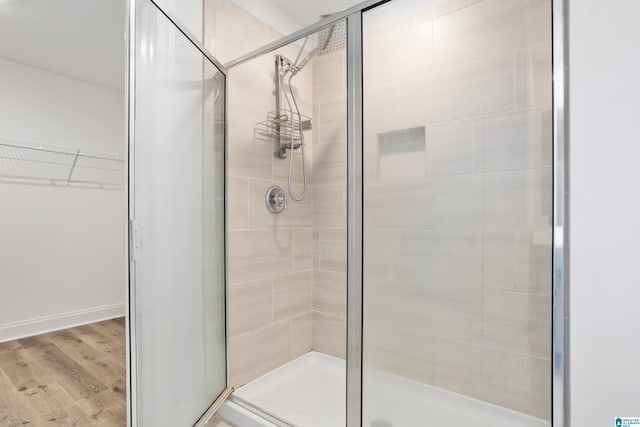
(231, 32)
(329, 203)
(458, 259)
(287, 272)
(270, 262)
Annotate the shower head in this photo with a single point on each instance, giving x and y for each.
(330, 39)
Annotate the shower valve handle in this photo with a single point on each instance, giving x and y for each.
(276, 199)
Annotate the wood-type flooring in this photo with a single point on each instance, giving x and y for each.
(72, 377)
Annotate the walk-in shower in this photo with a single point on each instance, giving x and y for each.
(456, 219)
(411, 280)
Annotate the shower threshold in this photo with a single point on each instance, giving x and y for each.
(310, 392)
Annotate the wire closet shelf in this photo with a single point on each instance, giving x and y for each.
(24, 161)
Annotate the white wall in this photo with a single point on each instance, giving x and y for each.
(605, 210)
(61, 248)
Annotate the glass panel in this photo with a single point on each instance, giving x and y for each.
(178, 204)
(457, 213)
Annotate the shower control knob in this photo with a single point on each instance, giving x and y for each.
(275, 199)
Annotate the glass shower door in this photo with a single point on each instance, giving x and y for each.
(177, 276)
(457, 213)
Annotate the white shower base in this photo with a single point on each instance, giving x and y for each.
(310, 392)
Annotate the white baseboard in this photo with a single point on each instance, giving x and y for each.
(43, 325)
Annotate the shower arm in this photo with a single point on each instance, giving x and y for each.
(305, 61)
(304, 44)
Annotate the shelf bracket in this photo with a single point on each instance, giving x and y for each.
(73, 166)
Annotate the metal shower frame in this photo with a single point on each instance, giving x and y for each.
(560, 268)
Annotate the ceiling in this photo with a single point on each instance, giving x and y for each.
(308, 12)
(82, 39)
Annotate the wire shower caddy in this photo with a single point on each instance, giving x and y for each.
(281, 125)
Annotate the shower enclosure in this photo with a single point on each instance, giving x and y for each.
(425, 261)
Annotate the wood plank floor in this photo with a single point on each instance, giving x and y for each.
(73, 377)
